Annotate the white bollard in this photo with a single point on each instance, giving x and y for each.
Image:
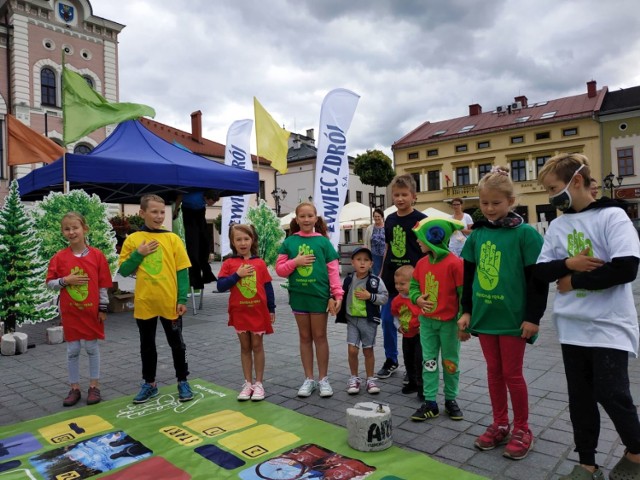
(22, 342)
(369, 427)
(55, 335)
(8, 344)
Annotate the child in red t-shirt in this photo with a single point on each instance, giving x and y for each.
(409, 326)
(81, 274)
(436, 287)
(251, 305)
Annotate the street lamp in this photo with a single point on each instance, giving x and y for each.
(607, 182)
(278, 195)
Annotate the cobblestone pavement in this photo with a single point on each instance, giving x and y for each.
(33, 385)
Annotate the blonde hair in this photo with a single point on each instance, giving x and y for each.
(249, 230)
(498, 179)
(404, 181)
(149, 197)
(405, 271)
(565, 165)
(320, 225)
(80, 218)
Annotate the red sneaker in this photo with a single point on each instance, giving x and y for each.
(494, 436)
(519, 445)
(72, 398)
(93, 396)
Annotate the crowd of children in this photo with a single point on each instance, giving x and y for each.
(496, 291)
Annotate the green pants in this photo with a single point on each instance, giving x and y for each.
(440, 339)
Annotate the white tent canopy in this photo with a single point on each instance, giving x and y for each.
(355, 211)
(286, 220)
(429, 212)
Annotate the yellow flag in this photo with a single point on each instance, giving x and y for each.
(271, 139)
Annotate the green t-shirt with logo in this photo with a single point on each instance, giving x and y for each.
(499, 285)
(309, 286)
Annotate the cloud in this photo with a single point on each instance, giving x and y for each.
(411, 61)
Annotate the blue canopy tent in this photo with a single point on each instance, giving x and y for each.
(132, 162)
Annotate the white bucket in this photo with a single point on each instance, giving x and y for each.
(369, 427)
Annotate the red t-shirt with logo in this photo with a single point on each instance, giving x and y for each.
(79, 304)
(407, 314)
(440, 281)
(248, 309)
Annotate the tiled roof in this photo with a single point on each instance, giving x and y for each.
(204, 147)
(303, 152)
(621, 100)
(566, 108)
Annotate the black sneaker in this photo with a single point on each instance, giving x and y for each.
(426, 411)
(410, 388)
(453, 410)
(387, 369)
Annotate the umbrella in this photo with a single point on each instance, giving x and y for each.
(286, 220)
(355, 213)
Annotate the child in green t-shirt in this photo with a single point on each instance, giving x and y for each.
(310, 262)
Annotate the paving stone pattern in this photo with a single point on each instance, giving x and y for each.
(34, 384)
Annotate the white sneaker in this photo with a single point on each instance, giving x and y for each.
(258, 392)
(353, 387)
(372, 386)
(325, 387)
(307, 388)
(246, 392)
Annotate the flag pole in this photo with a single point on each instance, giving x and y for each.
(65, 188)
(258, 167)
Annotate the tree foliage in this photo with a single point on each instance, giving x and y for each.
(374, 168)
(49, 212)
(270, 233)
(23, 293)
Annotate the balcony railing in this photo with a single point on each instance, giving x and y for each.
(470, 190)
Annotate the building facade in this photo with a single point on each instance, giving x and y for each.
(299, 181)
(620, 132)
(34, 36)
(448, 158)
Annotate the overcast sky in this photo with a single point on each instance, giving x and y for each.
(410, 61)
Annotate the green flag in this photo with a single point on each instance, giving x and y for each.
(85, 110)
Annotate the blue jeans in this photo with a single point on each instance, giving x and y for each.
(377, 264)
(389, 332)
(73, 361)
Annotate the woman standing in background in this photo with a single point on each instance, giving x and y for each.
(374, 240)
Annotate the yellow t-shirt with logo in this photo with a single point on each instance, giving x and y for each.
(156, 292)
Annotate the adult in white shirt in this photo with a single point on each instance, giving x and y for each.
(456, 242)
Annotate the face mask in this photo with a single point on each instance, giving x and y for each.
(562, 200)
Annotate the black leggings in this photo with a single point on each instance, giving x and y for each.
(599, 375)
(148, 353)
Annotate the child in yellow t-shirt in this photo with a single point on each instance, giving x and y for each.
(160, 261)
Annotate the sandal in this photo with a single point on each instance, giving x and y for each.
(625, 469)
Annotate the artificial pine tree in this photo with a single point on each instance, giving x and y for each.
(270, 233)
(48, 214)
(23, 293)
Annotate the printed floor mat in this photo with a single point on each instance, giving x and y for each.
(211, 437)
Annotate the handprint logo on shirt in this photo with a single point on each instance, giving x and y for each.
(576, 243)
(152, 263)
(431, 288)
(489, 266)
(399, 242)
(248, 285)
(78, 292)
(305, 270)
(404, 317)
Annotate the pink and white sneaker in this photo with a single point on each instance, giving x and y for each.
(246, 392)
(258, 392)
